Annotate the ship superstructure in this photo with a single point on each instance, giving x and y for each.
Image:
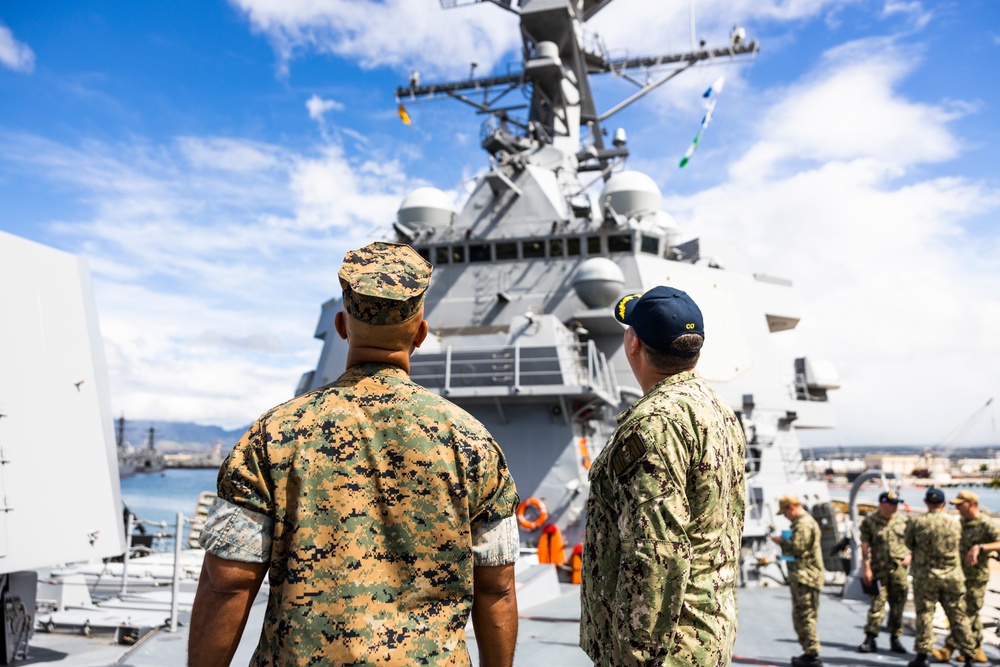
(525, 275)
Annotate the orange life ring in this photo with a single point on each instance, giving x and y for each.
(541, 514)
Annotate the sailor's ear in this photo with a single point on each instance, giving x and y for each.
(340, 325)
(421, 334)
(632, 343)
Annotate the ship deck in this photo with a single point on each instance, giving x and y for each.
(548, 635)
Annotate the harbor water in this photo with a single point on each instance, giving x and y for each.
(160, 496)
(989, 499)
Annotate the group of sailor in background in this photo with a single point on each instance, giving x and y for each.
(948, 562)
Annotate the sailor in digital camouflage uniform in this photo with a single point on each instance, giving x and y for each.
(886, 560)
(805, 576)
(382, 513)
(934, 539)
(666, 506)
(980, 536)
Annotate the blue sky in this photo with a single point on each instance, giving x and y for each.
(213, 160)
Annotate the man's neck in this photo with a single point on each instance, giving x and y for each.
(652, 378)
(364, 355)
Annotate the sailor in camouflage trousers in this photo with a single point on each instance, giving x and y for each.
(666, 506)
(886, 560)
(980, 536)
(934, 539)
(805, 577)
(382, 514)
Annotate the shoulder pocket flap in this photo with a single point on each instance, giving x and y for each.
(631, 451)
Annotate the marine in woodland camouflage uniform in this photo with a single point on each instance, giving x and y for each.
(666, 506)
(369, 501)
(886, 560)
(980, 536)
(805, 576)
(934, 539)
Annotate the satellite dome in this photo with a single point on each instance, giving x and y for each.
(598, 282)
(426, 207)
(632, 194)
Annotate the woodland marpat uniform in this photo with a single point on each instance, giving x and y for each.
(369, 565)
(372, 500)
(664, 524)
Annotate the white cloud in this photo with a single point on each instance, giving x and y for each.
(14, 54)
(211, 258)
(668, 28)
(406, 33)
(914, 10)
(395, 33)
(896, 278)
(318, 107)
(229, 154)
(848, 108)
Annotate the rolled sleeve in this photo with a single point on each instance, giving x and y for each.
(236, 533)
(495, 543)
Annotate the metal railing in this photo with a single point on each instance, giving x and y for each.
(557, 369)
(176, 578)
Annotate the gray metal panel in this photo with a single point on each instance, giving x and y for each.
(60, 465)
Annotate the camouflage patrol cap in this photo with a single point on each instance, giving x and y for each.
(965, 497)
(384, 283)
(784, 502)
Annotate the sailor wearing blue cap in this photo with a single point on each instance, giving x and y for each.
(666, 506)
(886, 562)
(934, 540)
(934, 496)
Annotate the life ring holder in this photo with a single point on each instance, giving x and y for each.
(541, 514)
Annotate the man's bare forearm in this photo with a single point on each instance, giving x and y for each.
(226, 591)
(494, 615)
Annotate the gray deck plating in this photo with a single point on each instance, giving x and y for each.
(548, 635)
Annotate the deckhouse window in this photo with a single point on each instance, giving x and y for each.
(425, 253)
(650, 245)
(479, 252)
(533, 249)
(620, 243)
(555, 248)
(441, 255)
(573, 247)
(593, 245)
(507, 250)
(458, 254)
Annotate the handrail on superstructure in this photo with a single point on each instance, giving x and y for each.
(562, 368)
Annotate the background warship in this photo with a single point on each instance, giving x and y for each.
(553, 233)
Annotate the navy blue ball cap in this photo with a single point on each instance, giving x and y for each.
(660, 316)
(889, 497)
(934, 495)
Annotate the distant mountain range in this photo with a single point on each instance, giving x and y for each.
(171, 437)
